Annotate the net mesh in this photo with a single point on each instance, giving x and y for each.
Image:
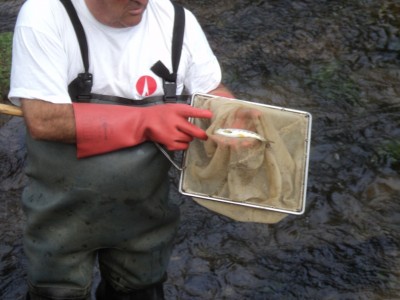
(246, 170)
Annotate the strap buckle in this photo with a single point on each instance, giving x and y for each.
(169, 91)
(85, 81)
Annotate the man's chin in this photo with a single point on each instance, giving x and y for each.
(131, 20)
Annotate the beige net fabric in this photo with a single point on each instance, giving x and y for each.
(247, 170)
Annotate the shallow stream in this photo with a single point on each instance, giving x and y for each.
(338, 60)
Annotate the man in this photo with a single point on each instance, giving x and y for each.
(98, 185)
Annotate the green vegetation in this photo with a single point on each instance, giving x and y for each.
(389, 152)
(5, 63)
(389, 12)
(333, 82)
(393, 152)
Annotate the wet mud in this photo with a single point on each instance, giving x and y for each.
(338, 60)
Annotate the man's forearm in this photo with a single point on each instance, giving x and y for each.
(49, 121)
(222, 91)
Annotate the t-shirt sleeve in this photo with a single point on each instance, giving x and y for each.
(203, 73)
(39, 64)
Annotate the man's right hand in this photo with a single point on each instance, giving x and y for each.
(168, 125)
(102, 128)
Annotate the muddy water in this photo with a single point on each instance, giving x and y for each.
(340, 61)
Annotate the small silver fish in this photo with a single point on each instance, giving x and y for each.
(239, 133)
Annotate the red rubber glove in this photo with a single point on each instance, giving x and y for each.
(102, 128)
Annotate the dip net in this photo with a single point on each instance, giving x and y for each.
(257, 171)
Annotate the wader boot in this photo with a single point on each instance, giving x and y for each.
(34, 297)
(106, 292)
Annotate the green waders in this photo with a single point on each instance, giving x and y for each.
(113, 206)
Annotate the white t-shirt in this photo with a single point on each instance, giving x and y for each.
(47, 57)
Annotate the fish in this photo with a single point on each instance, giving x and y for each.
(239, 133)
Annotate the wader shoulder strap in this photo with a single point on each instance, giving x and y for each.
(80, 87)
(169, 79)
(80, 32)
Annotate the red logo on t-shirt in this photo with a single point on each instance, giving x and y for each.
(146, 86)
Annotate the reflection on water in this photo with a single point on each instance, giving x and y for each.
(338, 60)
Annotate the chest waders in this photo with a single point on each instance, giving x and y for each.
(113, 206)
